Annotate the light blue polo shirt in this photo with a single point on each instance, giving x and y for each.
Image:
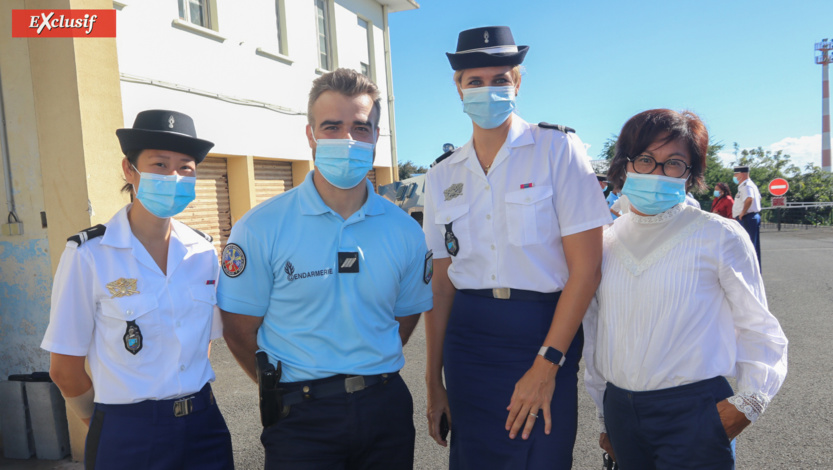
(282, 264)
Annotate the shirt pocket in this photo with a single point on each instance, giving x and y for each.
(112, 326)
(529, 215)
(204, 298)
(458, 217)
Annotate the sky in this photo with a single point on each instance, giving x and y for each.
(747, 68)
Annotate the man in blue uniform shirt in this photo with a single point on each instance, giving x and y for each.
(329, 280)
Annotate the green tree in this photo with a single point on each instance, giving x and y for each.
(408, 169)
(609, 148)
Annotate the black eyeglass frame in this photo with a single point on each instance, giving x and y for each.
(656, 164)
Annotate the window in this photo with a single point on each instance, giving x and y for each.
(196, 12)
(280, 23)
(365, 53)
(325, 55)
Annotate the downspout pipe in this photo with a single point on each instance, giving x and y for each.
(4, 152)
(394, 162)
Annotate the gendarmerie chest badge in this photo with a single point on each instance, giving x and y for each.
(451, 243)
(133, 338)
(122, 287)
(453, 191)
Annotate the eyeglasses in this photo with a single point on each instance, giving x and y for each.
(645, 164)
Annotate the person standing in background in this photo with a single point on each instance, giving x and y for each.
(723, 201)
(747, 207)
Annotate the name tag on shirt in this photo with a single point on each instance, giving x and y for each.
(348, 261)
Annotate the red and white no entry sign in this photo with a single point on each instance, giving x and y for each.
(779, 187)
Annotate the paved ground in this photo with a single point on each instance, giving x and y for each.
(795, 432)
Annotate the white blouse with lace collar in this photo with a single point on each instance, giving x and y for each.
(682, 300)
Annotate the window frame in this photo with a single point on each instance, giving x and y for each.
(330, 33)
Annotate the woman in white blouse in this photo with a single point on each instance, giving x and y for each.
(681, 305)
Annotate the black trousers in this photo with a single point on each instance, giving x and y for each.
(372, 429)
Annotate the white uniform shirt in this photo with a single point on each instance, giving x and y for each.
(682, 300)
(622, 205)
(509, 223)
(175, 313)
(746, 190)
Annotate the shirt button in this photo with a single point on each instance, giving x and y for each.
(128, 312)
(178, 323)
(182, 368)
(527, 199)
(488, 216)
(493, 247)
(493, 277)
(487, 187)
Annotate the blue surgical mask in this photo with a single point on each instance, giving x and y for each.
(165, 195)
(653, 194)
(604, 189)
(716, 193)
(489, 106)
(735, 179)
(344, 163)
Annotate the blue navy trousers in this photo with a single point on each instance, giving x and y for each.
(371, 429)
(752, 224)
(673, 428)
(489, 345)
(148, 435)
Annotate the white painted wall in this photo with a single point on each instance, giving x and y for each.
(150, 47)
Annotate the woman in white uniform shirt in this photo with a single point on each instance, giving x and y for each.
(136, 297)
(681, 304)
(514, 218)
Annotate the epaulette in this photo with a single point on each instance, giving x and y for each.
(441, 158)
(87, 234)
(557, 127)
(208, 237)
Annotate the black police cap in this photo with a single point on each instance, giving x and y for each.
(164, 130)
(486, 47)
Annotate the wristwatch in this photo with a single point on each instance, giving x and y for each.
(553, 355)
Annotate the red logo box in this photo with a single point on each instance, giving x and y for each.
(63, 23)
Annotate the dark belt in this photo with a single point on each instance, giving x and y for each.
(506, 293)
(297, 392)
(174, 407)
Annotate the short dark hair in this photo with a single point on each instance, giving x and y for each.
(349, 83)
(666, 125)
(132, 156)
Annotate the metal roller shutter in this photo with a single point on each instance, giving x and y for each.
(271, 178)
(210, 212)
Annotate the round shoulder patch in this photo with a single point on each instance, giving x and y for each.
(234, 260)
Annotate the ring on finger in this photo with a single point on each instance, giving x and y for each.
(533, 415)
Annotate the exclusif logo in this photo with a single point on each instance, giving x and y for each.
(64, 23)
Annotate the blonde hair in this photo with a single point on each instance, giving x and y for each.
(515, 71)
(349, 83)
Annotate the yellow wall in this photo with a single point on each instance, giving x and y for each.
(241, 184)
(300, 168)
(384, 175)
(78, 108)
(64, 105)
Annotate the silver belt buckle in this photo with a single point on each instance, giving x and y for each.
(501, 293)
(183, 407)
(354, 384)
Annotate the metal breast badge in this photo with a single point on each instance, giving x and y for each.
(122, 287)
(455, 190)
(133, 338)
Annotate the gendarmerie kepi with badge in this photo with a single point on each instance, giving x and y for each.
(136, 298)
